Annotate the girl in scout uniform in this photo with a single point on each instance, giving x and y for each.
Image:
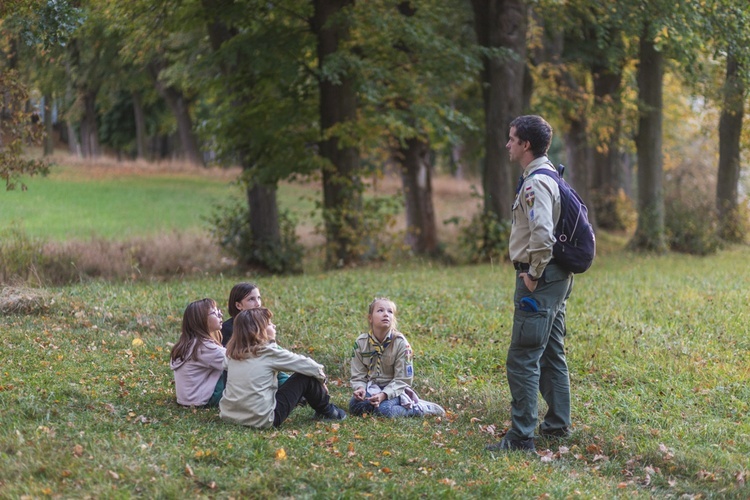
(382, 369)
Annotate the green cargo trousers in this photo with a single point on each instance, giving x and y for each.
(536, 356)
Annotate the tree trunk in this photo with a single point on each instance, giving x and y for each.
(49, 137)
(342, 192)
(500, 24)
(179, 106)
(89, 128)
(416, 174)
(730, 132)
(140, 126)
(262, 202)
(580, 155)
(650, 234)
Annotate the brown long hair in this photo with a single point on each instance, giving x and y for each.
(194, 330)
(238, 294)
(249, 334)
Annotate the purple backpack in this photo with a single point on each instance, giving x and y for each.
(575, 248)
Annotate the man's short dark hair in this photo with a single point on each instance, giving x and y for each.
(536, 130)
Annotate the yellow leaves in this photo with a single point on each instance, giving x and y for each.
(280, 454)
(137, 342)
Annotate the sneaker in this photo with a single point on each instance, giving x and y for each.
(332, 413)
(507, 444)
(428, 408)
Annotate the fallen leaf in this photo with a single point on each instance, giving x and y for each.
(448, 482)
(78, 450)
(189, 471)
(386, 470)
(113, 474)
(280, 454)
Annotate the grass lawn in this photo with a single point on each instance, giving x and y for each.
(657, 347)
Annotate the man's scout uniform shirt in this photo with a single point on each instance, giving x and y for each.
(536, 211)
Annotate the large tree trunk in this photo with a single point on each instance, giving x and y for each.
(416, 174)
(730, 131)
(89, 127)
(49, 138)
(342, 193)
(179, 106)
(580, 155)
(140, 126)
(261, 198)
(649, 234)
(500, 24)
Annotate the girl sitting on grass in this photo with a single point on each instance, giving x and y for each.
(198, 356)
(382, 370)
(243, 296)
(252, 396)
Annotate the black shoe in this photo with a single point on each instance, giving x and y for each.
(507, 444)
(555, 433)
(332, 413)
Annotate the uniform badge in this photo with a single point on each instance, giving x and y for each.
(531, 214)
(530, 197)
(409, 371)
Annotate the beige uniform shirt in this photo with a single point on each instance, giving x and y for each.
(536, 211)
(250, 394)
(397, 369)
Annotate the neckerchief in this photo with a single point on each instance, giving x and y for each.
(378, 349)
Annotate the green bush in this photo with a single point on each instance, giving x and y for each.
(486, 237)
(615, 211)
(370, 230)
(230, 228)
(690, 215)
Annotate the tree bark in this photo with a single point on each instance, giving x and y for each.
(140, 126)
(650, 234)
(89, 128)
(342, 193)
(49, 137)
(179, 106)
(730, 132)
(416, 174)
(500, 24)
(580, 155)
(261, 198)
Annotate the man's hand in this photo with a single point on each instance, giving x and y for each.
(530, 284)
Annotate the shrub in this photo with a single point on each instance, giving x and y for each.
(485, 239)
(231, 230)
(690, 215)
(615, 211)
(370, 229)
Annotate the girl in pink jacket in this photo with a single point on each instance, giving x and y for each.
(198, 356)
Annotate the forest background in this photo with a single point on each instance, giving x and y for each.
(647, 100)
(367, 138)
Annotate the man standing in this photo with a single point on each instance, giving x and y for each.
(536, 356)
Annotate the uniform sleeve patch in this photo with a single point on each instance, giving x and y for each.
(409, 370)
(530, 197)
(532, 214)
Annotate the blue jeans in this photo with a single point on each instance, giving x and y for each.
(390, 408)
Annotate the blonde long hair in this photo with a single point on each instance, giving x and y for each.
(249, 334)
